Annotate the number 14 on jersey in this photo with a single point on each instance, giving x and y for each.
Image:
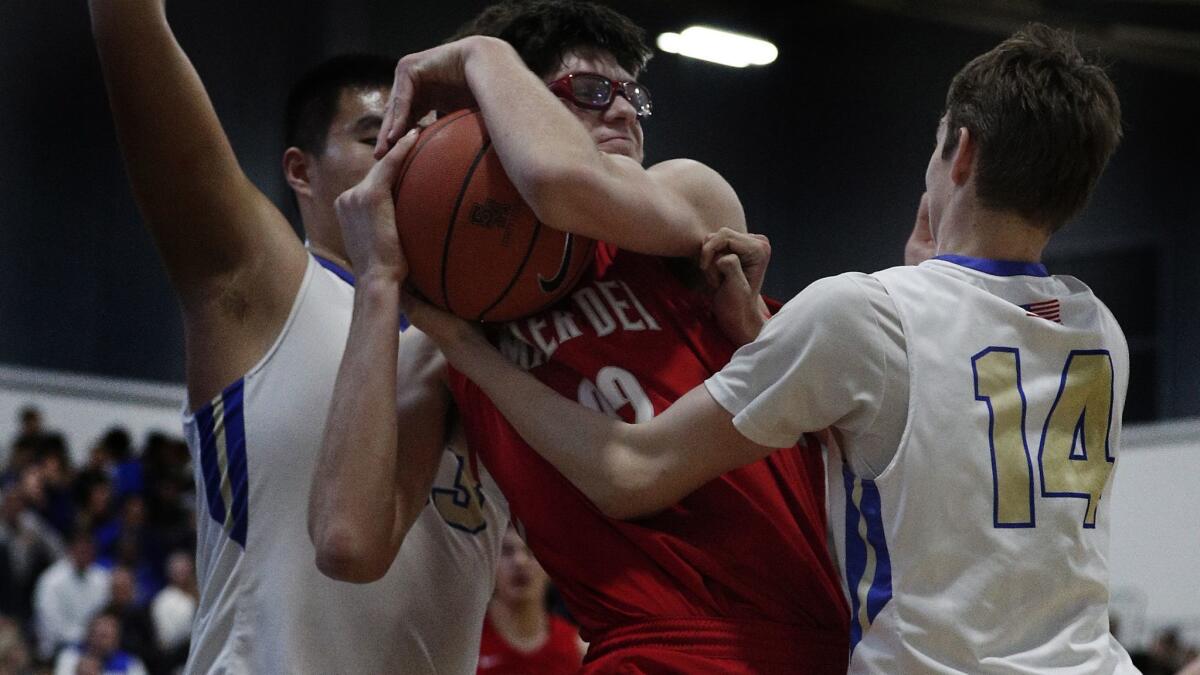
(1073, 456)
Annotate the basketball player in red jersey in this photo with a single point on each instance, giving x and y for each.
(706, 585)
(520, 635)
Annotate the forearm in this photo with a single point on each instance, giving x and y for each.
(749, 323)
(353, 504)
(591, 450)
(574, 187)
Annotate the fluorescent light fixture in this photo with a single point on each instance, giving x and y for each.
(718, 46)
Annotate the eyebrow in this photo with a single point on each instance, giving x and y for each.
(368, 123)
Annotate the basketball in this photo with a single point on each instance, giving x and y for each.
(474, 247)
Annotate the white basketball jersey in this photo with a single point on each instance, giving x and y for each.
(264, 607)
(983, 546)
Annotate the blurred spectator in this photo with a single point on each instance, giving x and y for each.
(28, 545)
(31, 420)
(1167, 655)
(169, 496)
(14, 654)
(94, 497)
(68, 594)
(1193, 666)
(137, 631)
(24, 453)
(126, 469)
(53, 459)
(100, 652)
(174, 608)
(520, 635)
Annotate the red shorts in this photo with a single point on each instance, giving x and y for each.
(694, 645)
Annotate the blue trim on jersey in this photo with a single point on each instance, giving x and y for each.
(210, 469)
(341, 272)
(233, 431)
(879, 593)
(235, 450)
(345, 275)
(996, 268)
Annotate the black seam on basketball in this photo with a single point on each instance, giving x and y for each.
(587, 264)
(537, 231)
(462, 192)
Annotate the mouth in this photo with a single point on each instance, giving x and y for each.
(621, 145)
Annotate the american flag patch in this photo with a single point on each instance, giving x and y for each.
(1050, 310)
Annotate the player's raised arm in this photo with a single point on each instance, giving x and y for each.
(371, 483)
(582, 178)
(224, 243)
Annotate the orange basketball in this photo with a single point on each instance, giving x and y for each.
(473, 246)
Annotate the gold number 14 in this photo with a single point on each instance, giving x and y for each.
(1073, 456)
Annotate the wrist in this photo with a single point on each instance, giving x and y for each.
(751, 324)
(378, 283)
(378, 271)
(481, 51)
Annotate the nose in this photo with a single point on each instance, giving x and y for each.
(621, 110)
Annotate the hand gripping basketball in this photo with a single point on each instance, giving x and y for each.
(474, 247)
(367, 215)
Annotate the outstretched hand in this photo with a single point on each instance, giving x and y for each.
(428, 81)
(735, 264)
(367, 214)
(920, 245)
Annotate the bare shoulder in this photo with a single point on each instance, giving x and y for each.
(233, 315)
(704, 189)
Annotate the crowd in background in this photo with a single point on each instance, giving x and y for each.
(96, 560)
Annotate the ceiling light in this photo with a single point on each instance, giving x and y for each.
(718, 46)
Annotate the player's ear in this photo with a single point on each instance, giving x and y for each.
(295, 170)
(963, 162)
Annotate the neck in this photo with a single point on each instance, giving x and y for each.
(993, 235)
(523, 624)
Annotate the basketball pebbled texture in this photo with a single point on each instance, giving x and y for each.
(473, 246)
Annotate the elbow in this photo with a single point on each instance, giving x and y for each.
(619, 508)
(344, 556)
(630, 495)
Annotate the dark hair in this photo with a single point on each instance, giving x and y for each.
(30, 412)
(118, 443)
(543, 30)
(313, 100)
(1046, 121)
(54, 445)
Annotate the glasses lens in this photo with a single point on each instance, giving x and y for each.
(591, 90)
(639, 96)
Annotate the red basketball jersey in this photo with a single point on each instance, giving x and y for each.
(558, 656)
(734, 578)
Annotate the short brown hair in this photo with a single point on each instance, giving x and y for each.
(542, 31)
(1046, 120)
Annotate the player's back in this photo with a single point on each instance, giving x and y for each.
(737, 573)
(982, 547)
(264, 606)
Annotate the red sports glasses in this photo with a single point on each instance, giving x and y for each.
(597, 92)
